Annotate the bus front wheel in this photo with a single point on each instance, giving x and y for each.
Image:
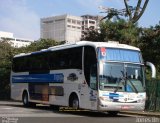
(74, 102)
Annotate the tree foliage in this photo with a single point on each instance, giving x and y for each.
(5, 67)
(119, 30)
(149, 43)
(95, 35)
(38, 45)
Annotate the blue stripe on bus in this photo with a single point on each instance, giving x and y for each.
(55, 78)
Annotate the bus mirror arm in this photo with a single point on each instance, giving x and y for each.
(153, 69)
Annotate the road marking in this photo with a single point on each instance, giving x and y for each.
(7, 108)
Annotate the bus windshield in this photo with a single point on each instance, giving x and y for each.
(122, 77)
(121, 70)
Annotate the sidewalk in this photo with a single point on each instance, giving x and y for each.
(144, 113)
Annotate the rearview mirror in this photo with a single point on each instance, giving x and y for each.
(153, 69)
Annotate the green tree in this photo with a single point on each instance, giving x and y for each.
(40, 44)
(119, 30)
(149, 43)
(5, 67)
(95, 35)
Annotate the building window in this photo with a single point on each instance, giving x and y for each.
(73, 27)
(79, 22)
(69, 26)
(92, 22)
(74, 21)
(48, 21)
(59, 20)
(69, 20)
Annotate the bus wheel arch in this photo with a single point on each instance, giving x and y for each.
(74, 100)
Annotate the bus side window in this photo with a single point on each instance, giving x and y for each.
(89, 61)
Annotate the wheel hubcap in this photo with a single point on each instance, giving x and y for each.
(75, 103)
(25, 99)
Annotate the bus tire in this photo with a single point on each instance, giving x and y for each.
(54, 107)
(25, 99)
(74, 101)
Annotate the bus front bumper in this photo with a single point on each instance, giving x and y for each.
(121, 107)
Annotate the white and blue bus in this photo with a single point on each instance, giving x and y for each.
(101, 76)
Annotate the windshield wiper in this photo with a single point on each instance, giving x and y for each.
(125, 78)
(132, 85)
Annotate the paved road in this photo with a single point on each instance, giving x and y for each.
(14, 112)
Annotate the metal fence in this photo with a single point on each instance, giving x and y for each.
(153, 95)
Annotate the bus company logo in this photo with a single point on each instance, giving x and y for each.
(72, 77)
(103, 51)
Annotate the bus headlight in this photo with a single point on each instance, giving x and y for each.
(105, 99)
(102, 102)
(141, 100)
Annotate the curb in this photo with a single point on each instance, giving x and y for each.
(150, 114)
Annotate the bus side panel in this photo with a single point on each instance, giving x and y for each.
(38, 91)
(17, 90)
(72, 79)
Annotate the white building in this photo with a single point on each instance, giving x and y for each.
(15, 42)
(90, 22)
(61, 28)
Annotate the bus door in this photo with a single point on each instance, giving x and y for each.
(89, 87)
(89, 95)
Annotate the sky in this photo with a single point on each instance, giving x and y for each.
(22, 17)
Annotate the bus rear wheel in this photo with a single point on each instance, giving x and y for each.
(25, 99)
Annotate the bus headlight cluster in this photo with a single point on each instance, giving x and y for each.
(102, 101)
(103, 105)
(102, 98)
(105, 99)
(141, 100)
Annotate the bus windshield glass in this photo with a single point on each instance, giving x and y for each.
(123, 75)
